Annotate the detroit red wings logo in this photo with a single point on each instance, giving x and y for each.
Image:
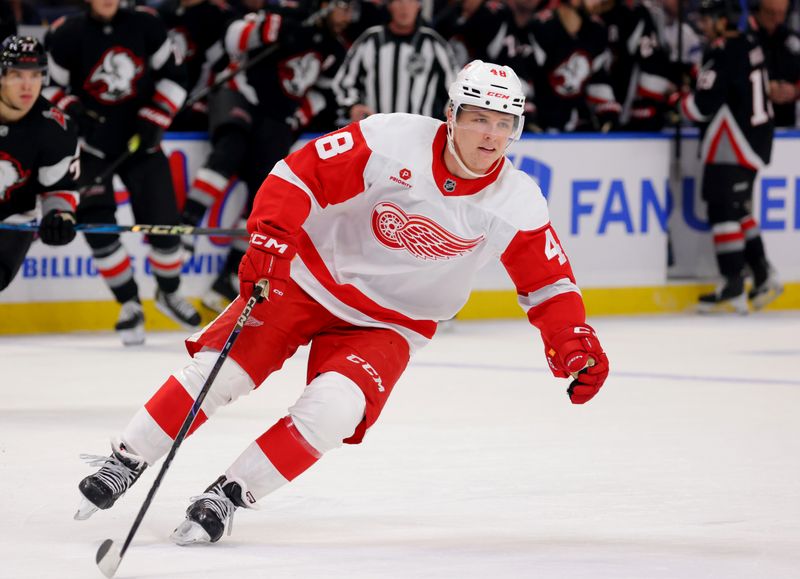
(11, 175)
(113, 79)
(420, 236)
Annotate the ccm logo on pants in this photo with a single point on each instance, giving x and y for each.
(373, 373)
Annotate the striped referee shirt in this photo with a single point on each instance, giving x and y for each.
(397, 74)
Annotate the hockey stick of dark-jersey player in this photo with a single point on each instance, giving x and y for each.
(105, 228)
(109, 556)
(132, 147)
(252, 61)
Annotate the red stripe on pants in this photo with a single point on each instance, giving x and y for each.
(170, 406)
(286, 449)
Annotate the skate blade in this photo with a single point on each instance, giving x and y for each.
(132, 337)
(189, 533)
(86, 509)
(737, 305)
(763, 300)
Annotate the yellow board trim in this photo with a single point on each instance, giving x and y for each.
(51, 317)
(676, 298)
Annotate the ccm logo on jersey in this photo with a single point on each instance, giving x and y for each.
(267, 242)
(373, 373)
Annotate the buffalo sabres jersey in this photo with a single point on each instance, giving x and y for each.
(782, 51)
(640, 70)
(731, 104)
(298, 56)
(571, 73)
(114, 68)
(388, 237)
(38, 157)
(197, 32)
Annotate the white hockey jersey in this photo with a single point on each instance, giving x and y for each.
(388, 237)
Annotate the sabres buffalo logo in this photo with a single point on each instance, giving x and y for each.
(299, 73)
(183, 47)
(114, 77)
(11, 175)
(420, 236)
(569, 77)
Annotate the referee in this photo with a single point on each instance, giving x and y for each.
(400, 67)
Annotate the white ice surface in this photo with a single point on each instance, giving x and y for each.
(687, 465)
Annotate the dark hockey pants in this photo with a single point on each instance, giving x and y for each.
(152, 196)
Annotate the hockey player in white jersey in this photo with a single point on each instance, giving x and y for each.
(367, 236)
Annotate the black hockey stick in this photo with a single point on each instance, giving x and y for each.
(108, 556)
(133, 146)
(675, 168)
(105, 228)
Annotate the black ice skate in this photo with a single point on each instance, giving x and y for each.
(117, 473)
(209, 512)
(224, 290)
(729, 297)
(177, 308)
(766, 292)
(130, 324)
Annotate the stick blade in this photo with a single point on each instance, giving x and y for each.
(108, 558)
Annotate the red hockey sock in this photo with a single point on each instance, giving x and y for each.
(286, 449)
(170, 406)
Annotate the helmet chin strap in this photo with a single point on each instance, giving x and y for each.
(452, 148)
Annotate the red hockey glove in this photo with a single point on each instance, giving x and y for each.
(577, 352)
(268, 257)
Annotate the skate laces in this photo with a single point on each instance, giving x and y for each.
(114, 473)
(217, 501)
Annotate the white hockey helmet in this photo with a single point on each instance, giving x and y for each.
(490, 86)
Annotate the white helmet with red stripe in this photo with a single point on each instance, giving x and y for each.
(490, 86)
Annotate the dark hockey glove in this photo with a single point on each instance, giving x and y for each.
(57, 227)
(151, 123)
(577, 352)
(193, 212)
(269, 257)
(87, 120)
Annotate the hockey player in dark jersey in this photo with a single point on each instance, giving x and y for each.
(640, 68)
(118, 65)
(196, 28)
(781, 47)
(570, 67)
(735, 115)
(255, 118)
(38, 156)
